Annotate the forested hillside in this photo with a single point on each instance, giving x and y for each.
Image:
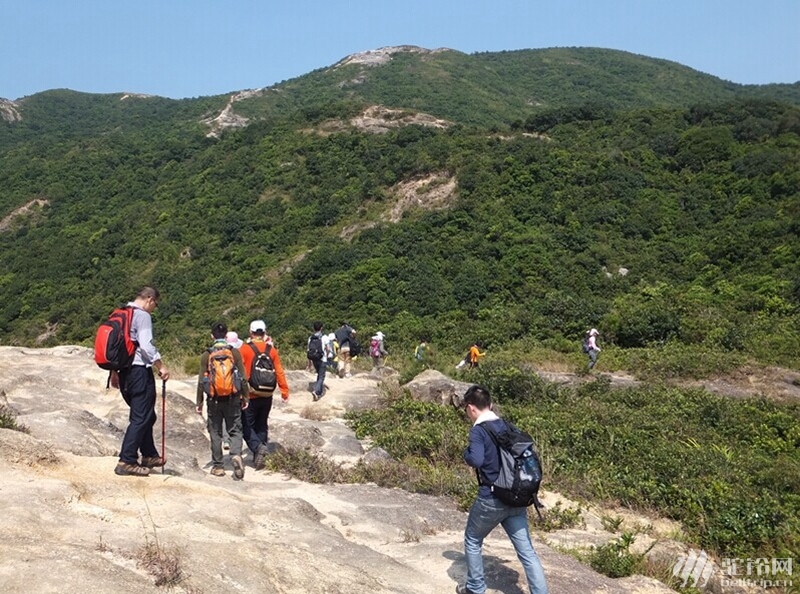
(567, 165)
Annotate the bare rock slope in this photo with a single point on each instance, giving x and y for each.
(71, 525)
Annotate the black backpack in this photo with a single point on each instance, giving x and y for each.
(315, 351)
(355, 347)
(520, 475)
(262, 370)
(585, 345)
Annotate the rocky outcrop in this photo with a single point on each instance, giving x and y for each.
(434, 386)
(32, 208)
(378, 119)
(9, 111)
(228, 118)
(382, 55)
(72, 525)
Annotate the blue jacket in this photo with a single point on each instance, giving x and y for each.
(482, 455)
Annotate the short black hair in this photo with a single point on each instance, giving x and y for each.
(478, 396)
(149, 292)
(219, 330)
(317, 326)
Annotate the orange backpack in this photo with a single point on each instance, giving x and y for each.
(221, 377)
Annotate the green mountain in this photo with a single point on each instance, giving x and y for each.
(506, 196)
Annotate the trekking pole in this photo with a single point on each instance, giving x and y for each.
(163, 424)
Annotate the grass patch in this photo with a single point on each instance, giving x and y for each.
(728, 470)
(615, 558)
(558, 518)
(8, 420)
(163, 564)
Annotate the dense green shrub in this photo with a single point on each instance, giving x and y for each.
(727, 469)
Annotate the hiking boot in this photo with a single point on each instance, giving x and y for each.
(260, 459)
(238, 468)
(125, 469)
(463, 590)
(152, 461)
(218, 471)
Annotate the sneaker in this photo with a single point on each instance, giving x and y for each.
(152, 461)
(348, 375)
(238, 468)
(463, 590)
(260, 459)
(316, 396)
(125, 469)
(226, 445)
(218, 471)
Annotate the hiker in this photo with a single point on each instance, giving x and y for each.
(591, 346)
(487, 511)
(317, 355)
(138, 388)
(256, 429)
(331, 351)
(343, 336)
(232, 338)
(221, 381)
(377, 350)
(475, 354)
(420, 353)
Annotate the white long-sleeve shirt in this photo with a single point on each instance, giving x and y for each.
(142, 334)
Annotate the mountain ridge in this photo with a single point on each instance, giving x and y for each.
(298, 194)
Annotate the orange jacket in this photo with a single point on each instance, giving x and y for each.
(247, 357)
(474, 354)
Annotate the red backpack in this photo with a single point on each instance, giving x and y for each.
(113, 347)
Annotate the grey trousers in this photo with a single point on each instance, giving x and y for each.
(227, 410)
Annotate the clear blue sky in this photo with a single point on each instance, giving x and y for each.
(190, 48)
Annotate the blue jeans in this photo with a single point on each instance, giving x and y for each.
(255, 419)
(484, 515)
(592, 358)
(319, 385)
(138, 388)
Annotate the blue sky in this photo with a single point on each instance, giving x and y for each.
(190, 48)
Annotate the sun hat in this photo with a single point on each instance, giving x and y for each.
(232, 338)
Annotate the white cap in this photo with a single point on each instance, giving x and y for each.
(593, 332)
(380, 335)
(258, 326)
(232, 338)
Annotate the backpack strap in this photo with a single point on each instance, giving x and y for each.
(482, 480)
(267, 350)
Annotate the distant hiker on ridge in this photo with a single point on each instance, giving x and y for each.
(377, 350)
(591, 346)
(344, 335)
